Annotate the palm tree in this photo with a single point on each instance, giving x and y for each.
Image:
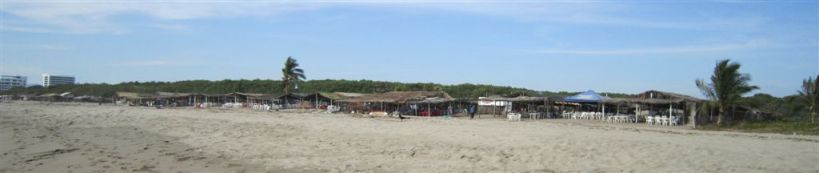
(727, 86)
(810, 90)
(291, 74)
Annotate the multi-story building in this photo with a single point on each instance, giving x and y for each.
(53, 80)
(7, 82)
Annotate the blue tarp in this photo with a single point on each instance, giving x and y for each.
(586, 97)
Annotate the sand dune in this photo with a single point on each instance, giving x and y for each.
(36, 137)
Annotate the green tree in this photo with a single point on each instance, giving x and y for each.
(765, 103)
(291, 74)
(810, 91)
(727, 86)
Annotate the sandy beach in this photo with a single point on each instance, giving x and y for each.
(73, 137)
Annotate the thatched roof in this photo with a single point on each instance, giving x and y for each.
(654, 97)
(161, 94)
(333, 95)
(293, 96)
(348, 95)
(133, 95)
(257, 96)
(432, 100)
(49, 95)
(404, 97)
(654, 94)
(514, 99)
(640, 100)
(127, 94)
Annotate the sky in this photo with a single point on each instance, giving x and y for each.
(606, 46)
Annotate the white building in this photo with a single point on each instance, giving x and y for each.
(53, 80)
(7, 82)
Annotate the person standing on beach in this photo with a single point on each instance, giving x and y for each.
(471, 110)
(449, 111)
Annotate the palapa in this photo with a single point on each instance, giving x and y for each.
(403, 97)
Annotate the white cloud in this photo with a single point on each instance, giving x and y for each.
(54, 47)
(173, 27)
(94, 16)
(155, 62)
(6, 27)
(668, 50)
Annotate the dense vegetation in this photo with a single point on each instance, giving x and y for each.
(275, 87)
(726, 88)
(791, 111)
(795, 113)
(791, 114)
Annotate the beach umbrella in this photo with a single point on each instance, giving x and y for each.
(586, 97)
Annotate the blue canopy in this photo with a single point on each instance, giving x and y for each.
(586, 97)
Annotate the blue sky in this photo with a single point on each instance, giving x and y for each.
(610, 46)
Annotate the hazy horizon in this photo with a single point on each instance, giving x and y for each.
(606, 46)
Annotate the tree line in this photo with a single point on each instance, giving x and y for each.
(725, 90)
(277, 87)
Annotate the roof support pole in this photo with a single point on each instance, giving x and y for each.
(546, 103)
(429, 110)
(670, 110)
(637, 114)
(494, 104)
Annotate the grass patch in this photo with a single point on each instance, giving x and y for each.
(781, 127)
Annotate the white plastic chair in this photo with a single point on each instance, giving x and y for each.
(663, 120)
(673, 121)
(513, 116)
(650, 120)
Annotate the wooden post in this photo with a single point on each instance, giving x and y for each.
(494, 105)
(416, 109)
(546, 103)
(670, 112)
(429, 110)
(693, 115)
(637, 114)
(562, 109)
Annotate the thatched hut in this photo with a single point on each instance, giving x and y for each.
(246, 99)
(134, 99)
(422, 103)
(292, 100)
(176, 99)
(320, 100)
(655, 102)
(532, 106)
